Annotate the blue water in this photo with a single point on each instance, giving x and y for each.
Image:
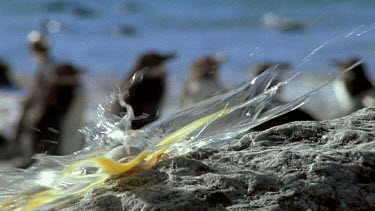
(191, 28)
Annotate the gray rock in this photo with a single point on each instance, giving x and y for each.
(328, 165)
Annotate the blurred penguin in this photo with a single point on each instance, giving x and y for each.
(39, 49)
(55, 130)
(145, 97)
(6, 81)
(260, 67)
(203, 80)
(292, 116)
(354, 89)
(53, 111)
(51, 124)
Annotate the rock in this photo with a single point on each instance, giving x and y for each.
(328, 165)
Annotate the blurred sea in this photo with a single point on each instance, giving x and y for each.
(191, 28)
(106, 36)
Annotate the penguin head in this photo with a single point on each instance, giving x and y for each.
(263, 66)
(65, 74)
(355, 77)
(205, 67)
(151, 60)
(346, 62)
(354, 73)
(38, 43)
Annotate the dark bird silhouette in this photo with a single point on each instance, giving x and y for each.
(145, 96)
(203, 81)
(6, 81)
(354, 89)
(39, 50)
(53, 111)
(48, 129)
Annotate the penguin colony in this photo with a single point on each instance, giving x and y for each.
(53, 110)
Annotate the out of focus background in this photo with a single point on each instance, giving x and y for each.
(105, 37)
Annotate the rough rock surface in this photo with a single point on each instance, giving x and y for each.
(327, 165)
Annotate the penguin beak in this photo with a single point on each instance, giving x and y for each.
(169, 56)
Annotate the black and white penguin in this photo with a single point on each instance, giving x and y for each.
(53, 111)
(354, 89)
(203, 81)
(145, 96)
(51, 123)
(53, 129)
